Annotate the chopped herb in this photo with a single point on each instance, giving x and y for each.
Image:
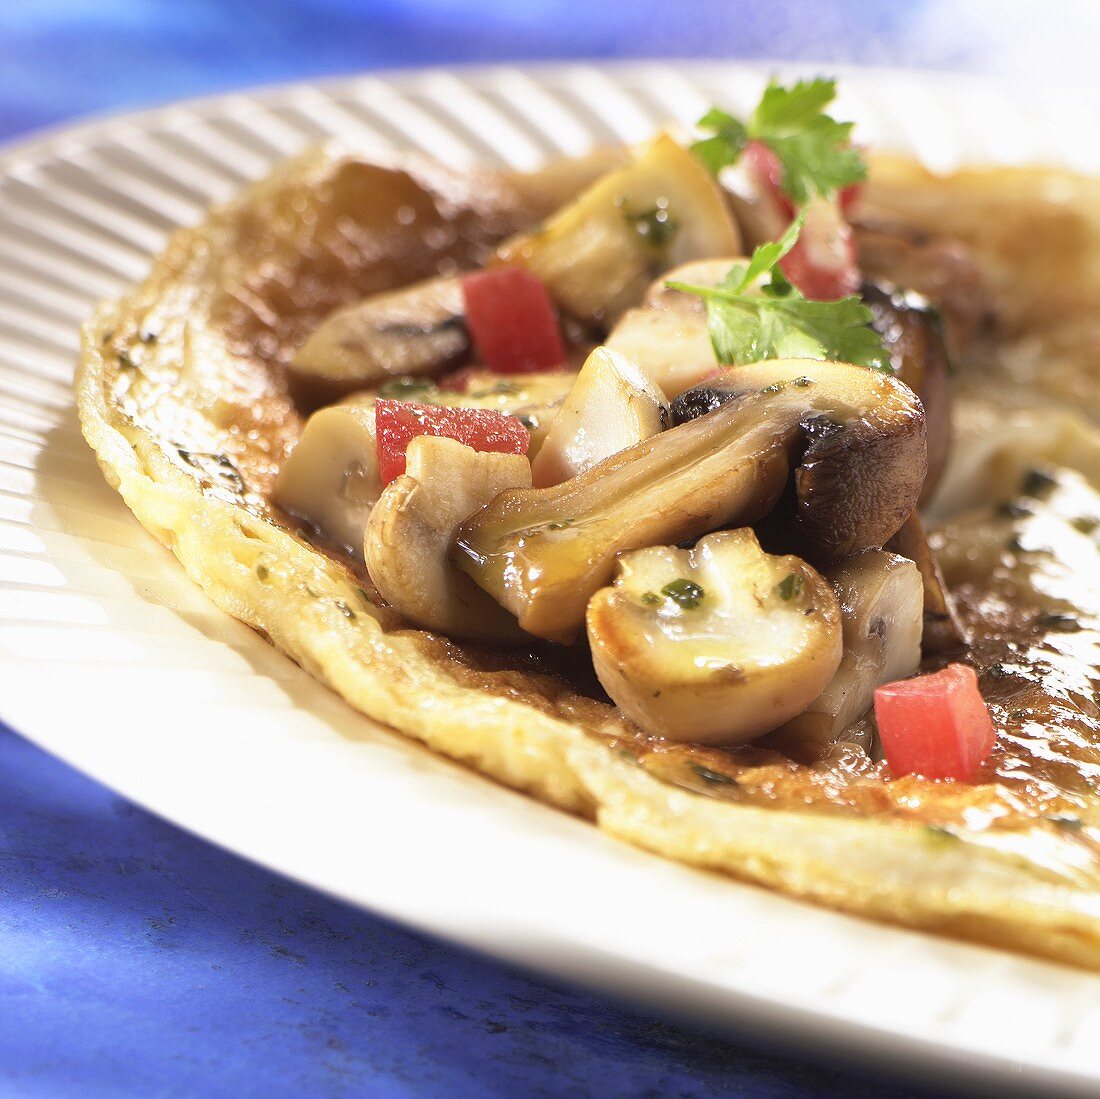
(261, 572)
(1036, 482)
(801, 383)
(686, 594)
(814, 150)
(775, 387)
(626, 753)
(655, 226)
(1085, 524)
(1062, 623)
(650, 597)
(559, 524)
(778, 322)
(940, 835)
(1014, 509)
(716, 778)
(407, 387)
(790, 587)
(497, 389)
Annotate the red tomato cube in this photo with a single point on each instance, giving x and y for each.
(397, 423)
(936, 726)
(512, 321)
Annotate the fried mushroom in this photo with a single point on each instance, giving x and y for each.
(853, 437)
(717, 644)
(419, 329)
(881, 605)
(411, 528)
(612, 406)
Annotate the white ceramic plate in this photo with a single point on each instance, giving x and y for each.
(112, 660)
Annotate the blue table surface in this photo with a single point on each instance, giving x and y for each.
(138, 960)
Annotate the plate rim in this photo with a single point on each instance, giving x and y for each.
(814, 1028)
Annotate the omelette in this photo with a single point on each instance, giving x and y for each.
(664, 489)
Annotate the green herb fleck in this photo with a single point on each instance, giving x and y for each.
(650, 597)
(1036, 482)
(560, 524)
(686, 594)
(716, 778)
(777, 322)
(801, 383)
(1085, 524)
(408, 386)
(1015, 509)
(1061, 623)
(655, 226)
(940, 835)
(814, 150)
(790, 587)
(261, 572)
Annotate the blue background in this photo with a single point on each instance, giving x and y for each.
(135, 959)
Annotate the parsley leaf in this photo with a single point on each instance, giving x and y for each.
(814, 149)
(777, 322)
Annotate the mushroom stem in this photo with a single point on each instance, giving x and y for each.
(854, 437)
(943, 632)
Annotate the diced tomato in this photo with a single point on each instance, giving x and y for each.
(850, 197)
(512, 321)
(766, 171)
(824, 263)
(935, 725)
(397, 423)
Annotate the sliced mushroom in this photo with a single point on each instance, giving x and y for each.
(330, 481)
(854, 438)
(943, 632)
(411, 529)
(714, 645)
(881, 604)
(597, 254)
(611, 406)
(419, 329)
(667, 335)
(912, 334)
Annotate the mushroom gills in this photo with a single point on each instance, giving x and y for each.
(597, 254)
(542, 553)
(419, 329)
(881, 599)
(717, 644)
(411, 528)
(330, 481)
(612, 406)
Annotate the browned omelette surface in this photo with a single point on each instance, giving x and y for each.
(184, 398)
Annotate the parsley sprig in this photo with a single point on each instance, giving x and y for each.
(815, 150)
(749, 322)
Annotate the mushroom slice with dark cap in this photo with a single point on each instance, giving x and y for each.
(853, 437)
(912, 333)
(716, 644)
(419, 329)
